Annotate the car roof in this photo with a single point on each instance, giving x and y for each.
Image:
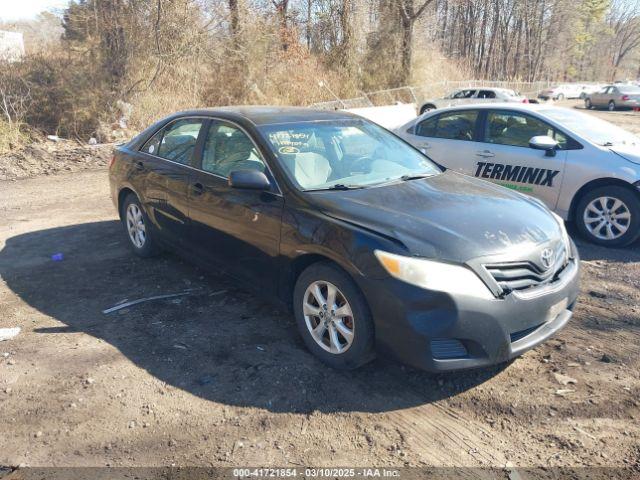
(524, 107)
(267, 115)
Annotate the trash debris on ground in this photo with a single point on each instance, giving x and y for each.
(564, 392)
(8, 333)
(53, 138)
(147, 299)
(564, 379)
(57, 257)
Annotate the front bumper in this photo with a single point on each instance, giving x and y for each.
(438, 331)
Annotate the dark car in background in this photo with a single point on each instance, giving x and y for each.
(373, 246)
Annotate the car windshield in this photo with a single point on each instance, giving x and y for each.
(593, 129)
(350, 153)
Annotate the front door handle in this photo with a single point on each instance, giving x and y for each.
(197, 189)
(485, 154)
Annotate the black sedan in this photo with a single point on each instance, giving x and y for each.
(374, 247)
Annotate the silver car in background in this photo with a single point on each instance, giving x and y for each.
(473, 95)
(613, 97)
(584, 169)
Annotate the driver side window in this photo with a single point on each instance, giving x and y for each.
(228, 148)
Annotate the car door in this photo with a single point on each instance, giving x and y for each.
(164, 161)
(600, 99)
(505, 157)
(229, 226)
(447, 138)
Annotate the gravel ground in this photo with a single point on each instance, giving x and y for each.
(220, 377)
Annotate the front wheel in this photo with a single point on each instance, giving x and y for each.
(609, 216)
(560, 97)
(333, 317)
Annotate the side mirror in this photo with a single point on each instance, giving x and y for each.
(249, 180)
(543, 142)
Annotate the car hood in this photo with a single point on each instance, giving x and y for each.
(628, 152)
(448, 216)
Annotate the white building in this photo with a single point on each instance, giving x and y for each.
(11, 46)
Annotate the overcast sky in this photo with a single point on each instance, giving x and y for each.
(25, 9)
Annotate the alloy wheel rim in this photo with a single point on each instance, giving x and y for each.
(607, 218)
(328, 317)
(135, 225)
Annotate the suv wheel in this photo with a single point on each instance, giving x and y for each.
(333, 317)
(609, 216)
(612, 106)
(136, 224)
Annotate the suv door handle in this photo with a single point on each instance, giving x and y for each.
(139, 166)
(197, 189)
(485, 154)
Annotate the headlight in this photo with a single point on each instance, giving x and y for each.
(566, 241)
(431, 275)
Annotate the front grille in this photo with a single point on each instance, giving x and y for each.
(512, 276)
(447, 349)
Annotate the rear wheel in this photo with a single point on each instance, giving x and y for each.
(609, 216)
(136, 224)
(612, 106)
(587, 104)
(333, 317)
(560, 97)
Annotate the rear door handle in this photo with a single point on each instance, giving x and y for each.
(197, 189)
(139, 166)
(485, 154)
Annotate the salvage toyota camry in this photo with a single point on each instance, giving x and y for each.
(374, 247)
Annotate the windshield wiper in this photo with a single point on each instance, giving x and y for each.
(416, 176)
(337, 186)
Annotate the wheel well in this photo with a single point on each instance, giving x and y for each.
(425, 106)
(297, 267)
(121, 196)
(601, 182)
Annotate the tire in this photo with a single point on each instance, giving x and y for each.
(427, 108)
(136, 226)
(359, 323)
(560, 97)
(587, 104)
(612, 106)
(593, 225)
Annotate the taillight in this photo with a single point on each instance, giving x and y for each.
(625, 98)
(526, 100)
(112, 161)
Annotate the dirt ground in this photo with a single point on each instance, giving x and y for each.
(221, 378)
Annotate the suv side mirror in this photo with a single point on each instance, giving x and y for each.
(249, 180)
(543, 142)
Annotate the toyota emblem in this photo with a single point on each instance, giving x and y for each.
(547, 257)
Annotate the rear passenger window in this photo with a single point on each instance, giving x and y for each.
(179, 140)
(452, 125)
(486, 94)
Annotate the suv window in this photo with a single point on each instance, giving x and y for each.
(458, 125)
(176, 141)
(486, 94)
(228, 148)
(511, 128)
